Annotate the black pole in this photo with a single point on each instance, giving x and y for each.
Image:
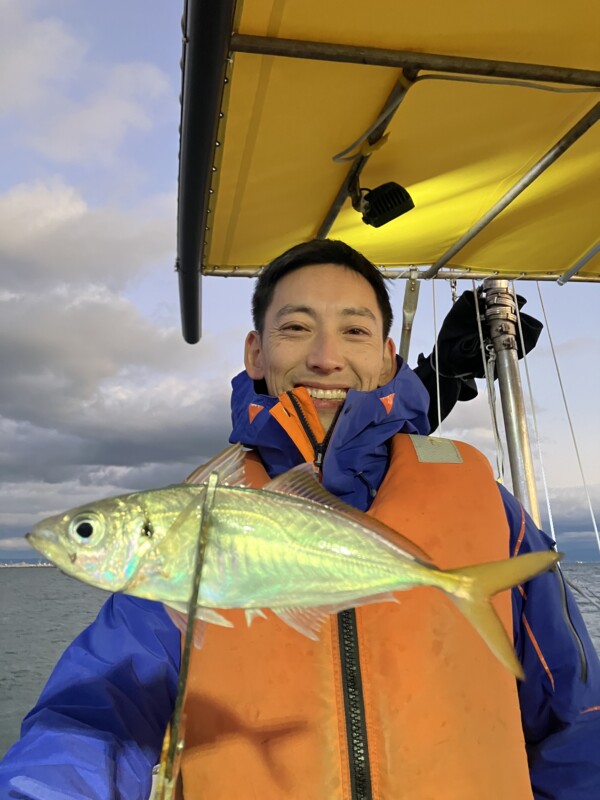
(207, 28)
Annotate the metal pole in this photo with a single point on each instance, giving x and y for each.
(381, 57)
(538, 168)
(206, 30)
(409, 308)
(500, 313)
(580, 264)
(402, 273)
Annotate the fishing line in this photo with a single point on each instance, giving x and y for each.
(437, 372)
(564, 397)
(168, 777)
(534, 417)
(589, 596)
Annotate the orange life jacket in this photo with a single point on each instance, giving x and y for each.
(265, 706)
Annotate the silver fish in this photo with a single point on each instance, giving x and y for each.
(291, 547)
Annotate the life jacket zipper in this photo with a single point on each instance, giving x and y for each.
(354, 707)
(354, 703)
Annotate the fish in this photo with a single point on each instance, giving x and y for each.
(290, 547)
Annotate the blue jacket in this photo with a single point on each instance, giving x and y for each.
(97, 728)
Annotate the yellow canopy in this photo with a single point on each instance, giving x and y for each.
(464, 134)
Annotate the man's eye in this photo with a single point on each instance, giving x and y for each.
(357, 332)
(293, 327)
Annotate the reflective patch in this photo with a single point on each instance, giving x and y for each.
(432, 450)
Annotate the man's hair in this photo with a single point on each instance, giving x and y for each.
(318, 251)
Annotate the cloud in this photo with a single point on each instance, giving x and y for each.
(88, 381)
(13, 543)
(49, 234)
(37, 57)
(63, 102)
(93, 130)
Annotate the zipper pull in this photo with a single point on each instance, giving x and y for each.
(319, 455)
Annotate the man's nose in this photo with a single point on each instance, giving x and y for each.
(325, 354)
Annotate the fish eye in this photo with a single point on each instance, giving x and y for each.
(86, 527)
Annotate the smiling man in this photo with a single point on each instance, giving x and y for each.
(394, 700)
(326, 341)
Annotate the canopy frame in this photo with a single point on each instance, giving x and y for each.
(208, 44)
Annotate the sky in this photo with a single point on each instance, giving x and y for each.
(99, 394)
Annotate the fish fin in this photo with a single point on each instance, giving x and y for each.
(344, 605)
(179, 619)
(301, 481)
(229, 466)
(178, 614)
(385, 597)
(481, 582)
(212, 616)
(252, 613)
(307, 621)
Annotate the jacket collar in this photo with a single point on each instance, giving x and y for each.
(357, 455)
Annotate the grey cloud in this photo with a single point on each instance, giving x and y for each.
(49, 235)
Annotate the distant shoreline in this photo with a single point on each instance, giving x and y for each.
(25, 564)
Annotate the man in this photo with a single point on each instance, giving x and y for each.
(394, 700)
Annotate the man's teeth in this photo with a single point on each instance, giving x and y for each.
(326, 394)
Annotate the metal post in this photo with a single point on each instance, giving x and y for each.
(500, 313)
(409, 309)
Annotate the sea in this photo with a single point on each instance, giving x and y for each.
(42, 610)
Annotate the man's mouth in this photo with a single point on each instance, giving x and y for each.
(326, 394)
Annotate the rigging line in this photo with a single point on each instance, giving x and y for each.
(534, 415)
(505, 82)
(589, 596)
(437, 365)
(570, 421)
(491, 390)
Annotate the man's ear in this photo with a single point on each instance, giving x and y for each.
(388, 368)
(253, 356)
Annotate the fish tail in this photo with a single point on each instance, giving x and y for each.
(476, 586)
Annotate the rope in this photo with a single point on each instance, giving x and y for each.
(534, 418)
(437, 373)
(585, 593)
(581, 471)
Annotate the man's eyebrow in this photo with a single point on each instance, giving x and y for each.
(352, 311)
(294, 309)
(360, 311)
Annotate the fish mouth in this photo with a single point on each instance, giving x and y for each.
(45, 543)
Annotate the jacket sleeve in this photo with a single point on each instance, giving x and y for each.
(97, 728)
(560, 696)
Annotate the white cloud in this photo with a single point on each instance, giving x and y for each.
(37, 57)
(65, 103)
(93, 130)
(49, 233)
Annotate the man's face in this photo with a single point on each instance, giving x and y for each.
(324, 331)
